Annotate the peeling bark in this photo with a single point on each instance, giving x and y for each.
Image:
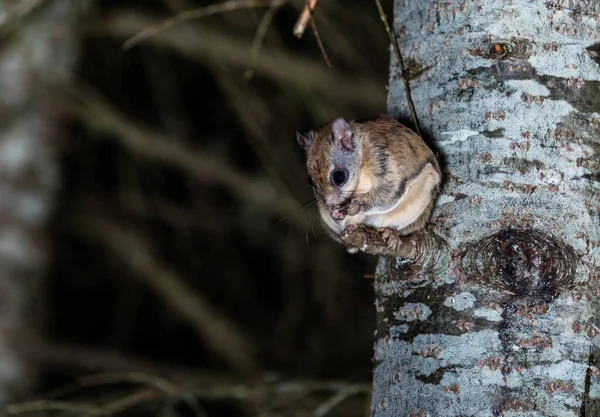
(37, 54)
(505, 322)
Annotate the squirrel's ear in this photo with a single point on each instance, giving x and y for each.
(305, 140)
(342, 134)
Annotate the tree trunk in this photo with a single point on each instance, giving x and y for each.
(502, 320)
(36, 56)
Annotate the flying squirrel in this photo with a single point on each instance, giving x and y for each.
(377, 173)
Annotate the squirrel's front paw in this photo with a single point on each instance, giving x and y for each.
(391, 237)
(353, 208)
(353, 237)
(382, 241)
(363, 238)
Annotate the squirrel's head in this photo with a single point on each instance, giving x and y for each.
(333, 160)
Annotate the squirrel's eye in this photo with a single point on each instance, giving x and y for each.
(338, 177)
(310, 181)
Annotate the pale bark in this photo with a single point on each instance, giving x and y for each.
(505, 321)
(37, 54)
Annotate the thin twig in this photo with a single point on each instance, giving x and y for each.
(142, 378)
(84, 409)
(304, 17)
(313, 26)
(403, 74)
(197, 14)
(84, 359)
(262, 389)
(335, 399)
(258, 40)
(129, 401)
(46, 406)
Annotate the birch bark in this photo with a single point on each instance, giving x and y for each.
(38, 52)
(503, 321)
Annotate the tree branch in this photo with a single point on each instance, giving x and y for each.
(418, 247)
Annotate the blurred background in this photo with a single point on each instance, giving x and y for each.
(185, 272)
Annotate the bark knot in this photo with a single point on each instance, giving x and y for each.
(502, 49)
(525, 263)
(593, 52)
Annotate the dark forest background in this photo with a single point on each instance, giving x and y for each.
(182, 246)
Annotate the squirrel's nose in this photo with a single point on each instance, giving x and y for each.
(334, 200)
